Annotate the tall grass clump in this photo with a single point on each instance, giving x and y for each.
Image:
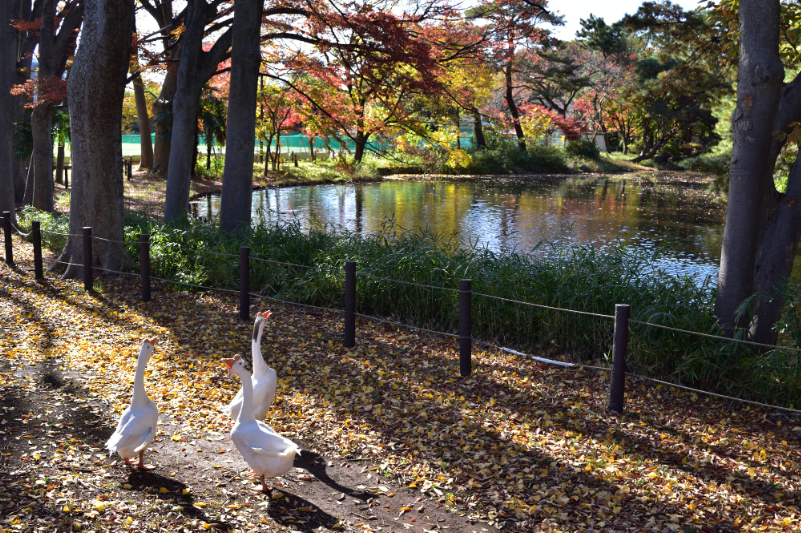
(306, 266)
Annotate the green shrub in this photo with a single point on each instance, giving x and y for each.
(583, 149)
(506, 157)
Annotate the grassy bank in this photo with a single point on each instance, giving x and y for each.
(578, 278)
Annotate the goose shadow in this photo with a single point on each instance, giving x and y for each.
(299, 514)
(315, 464)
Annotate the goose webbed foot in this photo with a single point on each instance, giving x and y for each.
(141, 465)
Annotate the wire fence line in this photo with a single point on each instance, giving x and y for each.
(26, 235)
(186, 283)
(114, 241)
(296, 265)
(49, 232)
(289, 302)
(369, 275)
(716, 337)
(581, 366)
(716, 395)
(66, 263)
(207, 252)
(401, 324)
(540, 306)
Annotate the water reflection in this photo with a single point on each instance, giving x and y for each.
(509, 214)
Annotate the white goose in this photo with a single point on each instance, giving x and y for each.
(265, 451)
(137, 425)
(264, 378)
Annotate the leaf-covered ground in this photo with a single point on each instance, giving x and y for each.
(393, 438)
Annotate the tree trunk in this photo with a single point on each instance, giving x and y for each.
(759, 82)
(361, 143)
(96, 89)
(8, 104)
(510, 101)
(42, 117)
(195, 151)
(268, 155)
(164, 106)
(42, 163)
(195, 69)
(781, 229)
(237, 187)
(478, 129)
(184, 113)
(145, 142)
(60, 164)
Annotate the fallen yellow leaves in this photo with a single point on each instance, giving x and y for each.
(517, 443)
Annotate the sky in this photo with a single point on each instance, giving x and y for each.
(609, 10)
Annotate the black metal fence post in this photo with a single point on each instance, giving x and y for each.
(465, 327)
(87, 259)
(350, 304)
(619, 352)
(36, 237)
(144, 265)
(66, 177)
(7, 238)
(130, 168)
(244, 283)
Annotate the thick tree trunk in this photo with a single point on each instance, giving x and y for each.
(311, 150)
(759, 82)
(42, 117)
(195, 69)
(60, 164)
(96, 89)
(237, 187)
(164, 106)
(145, 142)
(42, 163)
(510, 101)
(478, 129)
(184, 113)
(8, 104)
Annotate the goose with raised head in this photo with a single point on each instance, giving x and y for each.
(138, 422)
(266, 452)
(264, 379)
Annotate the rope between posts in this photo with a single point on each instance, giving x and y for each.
(580, 366)
(62, 234)
(717, 337)
(716, 395)
(68, 264)
(116, 242)
(400, 324)
(322, 269)
(193, 285)
(19, 230)
(116, 271)
(288, 302)
(587, 313)
(405, 282)
(207, 252)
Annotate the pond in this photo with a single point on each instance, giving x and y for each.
(522, 215)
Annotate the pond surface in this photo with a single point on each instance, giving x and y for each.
(517, 214)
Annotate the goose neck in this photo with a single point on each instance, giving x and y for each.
(246, 413)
